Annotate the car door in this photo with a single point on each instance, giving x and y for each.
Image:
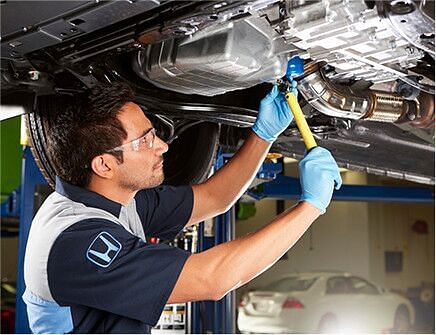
(335, 303)
(370, 304)
(351, 301)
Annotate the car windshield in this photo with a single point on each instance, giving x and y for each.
(290, 284)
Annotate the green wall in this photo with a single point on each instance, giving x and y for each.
(10, 154)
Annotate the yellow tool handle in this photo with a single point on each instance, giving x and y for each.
(300, 120)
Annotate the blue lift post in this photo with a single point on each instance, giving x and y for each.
(223, 311)
(30, 177)
(196, 321)
(225, 314)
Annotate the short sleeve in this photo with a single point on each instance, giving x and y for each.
(164, 211)
(98, 264)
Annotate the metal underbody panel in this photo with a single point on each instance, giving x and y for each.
(237, 55)
(376, 148)
(352, 38)
(361, 43)
(52, 23)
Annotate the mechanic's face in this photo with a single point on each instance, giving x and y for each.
(142, 168)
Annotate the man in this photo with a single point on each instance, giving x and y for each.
(87, 266)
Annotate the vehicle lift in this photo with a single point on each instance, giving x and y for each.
(205, 316)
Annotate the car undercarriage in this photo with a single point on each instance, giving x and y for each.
(200, 68)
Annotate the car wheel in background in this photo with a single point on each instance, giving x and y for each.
(329, 324)
(191, 156)
(38, 122)
(401, 320)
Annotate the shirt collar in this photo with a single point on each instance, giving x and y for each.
(87, 197)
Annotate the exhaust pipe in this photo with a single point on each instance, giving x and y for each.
(344, 102)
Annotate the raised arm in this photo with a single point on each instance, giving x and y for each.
(220, 192)
(211, 274)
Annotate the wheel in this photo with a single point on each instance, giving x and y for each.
(191, 156)
(38, 122)
(188, 160)
(329, 324)
(401, 320)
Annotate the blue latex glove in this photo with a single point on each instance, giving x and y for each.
(274, 116)
(319, 174)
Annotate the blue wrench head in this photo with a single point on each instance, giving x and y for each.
(295, 68)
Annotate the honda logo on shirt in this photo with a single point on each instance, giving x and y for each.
(103, 250)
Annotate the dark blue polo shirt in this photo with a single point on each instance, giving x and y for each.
(88, 268)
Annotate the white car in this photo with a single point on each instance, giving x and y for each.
(324, 302)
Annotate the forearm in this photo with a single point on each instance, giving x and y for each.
(236, 262)
(225, 187)
(214, 272)
(233, 179)
(211, 274)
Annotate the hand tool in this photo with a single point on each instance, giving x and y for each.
(295, 69)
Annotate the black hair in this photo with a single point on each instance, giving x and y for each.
(83, 127)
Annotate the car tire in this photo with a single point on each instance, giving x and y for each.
(401, 320)
(188, 161)
(37, 124)
(191, 156)
(328, 324)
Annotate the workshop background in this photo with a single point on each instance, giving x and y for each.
(360, 238)
(390, 244)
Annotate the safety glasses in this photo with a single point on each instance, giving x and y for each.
(145, 141)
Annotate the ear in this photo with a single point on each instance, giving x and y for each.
(103, 166)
